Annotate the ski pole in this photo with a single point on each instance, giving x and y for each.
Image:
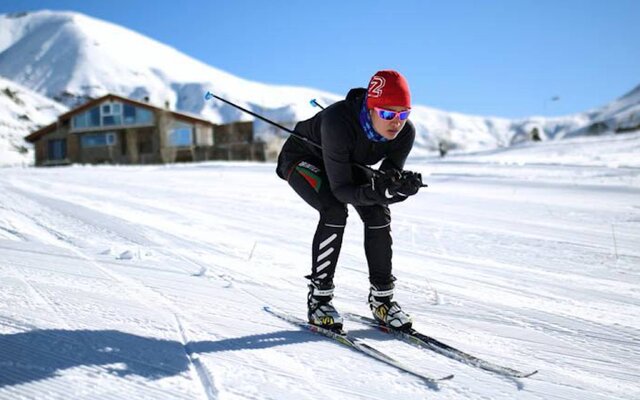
(314, 103)
(210, 95)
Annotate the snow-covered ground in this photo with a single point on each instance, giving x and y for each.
(150, 282)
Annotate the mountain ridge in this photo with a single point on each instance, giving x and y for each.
(71, 57)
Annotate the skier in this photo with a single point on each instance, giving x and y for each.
(370, 125)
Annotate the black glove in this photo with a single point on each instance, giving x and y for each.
(385, 185)
(410, 183)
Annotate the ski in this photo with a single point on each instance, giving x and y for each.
(421, 340)
(356, 344)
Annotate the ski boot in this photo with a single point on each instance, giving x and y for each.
(385, 311)
(320, 310)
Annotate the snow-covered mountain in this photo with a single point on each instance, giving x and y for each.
(622, 114)
(21, 112)
(70, 57)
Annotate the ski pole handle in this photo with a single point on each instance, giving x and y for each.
(314, 103)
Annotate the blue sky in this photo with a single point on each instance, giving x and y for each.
(485, 57)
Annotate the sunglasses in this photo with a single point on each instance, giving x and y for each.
(389, 115)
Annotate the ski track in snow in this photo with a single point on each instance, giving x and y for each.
(149, 282)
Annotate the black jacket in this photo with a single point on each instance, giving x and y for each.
(344, 143)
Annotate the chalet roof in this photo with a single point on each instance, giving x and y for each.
(92, 103)
(33, 136)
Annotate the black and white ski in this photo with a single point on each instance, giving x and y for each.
(421, 340)
(356, 344)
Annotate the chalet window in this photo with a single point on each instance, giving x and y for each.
(132, 115)
(143, 116)
(80, 121)
(181, 134)
(57, 149)
(94, 117)
(89, 119)
(110, 120)
(98, 139)
(113, 114)
(129, 114)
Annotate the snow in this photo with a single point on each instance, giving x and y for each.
(22, 111)
(150, 282)
(622, 150)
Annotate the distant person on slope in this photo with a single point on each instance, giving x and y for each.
(370, 125)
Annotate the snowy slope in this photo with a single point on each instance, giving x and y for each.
(106, 294)
(22, 111)
(621, 113)
(621, 151)
(70, 56)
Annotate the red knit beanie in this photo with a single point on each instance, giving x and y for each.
(388, 89)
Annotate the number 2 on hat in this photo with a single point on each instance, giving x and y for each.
(376, 85)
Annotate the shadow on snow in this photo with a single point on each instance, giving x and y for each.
(39, 354)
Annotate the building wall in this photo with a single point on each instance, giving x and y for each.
(42, 154)
(240, 152)
(73, 148)
(40, 151)
(204, 135)
(236, 132)
(147, 146)
(167, 154)
(234, 141)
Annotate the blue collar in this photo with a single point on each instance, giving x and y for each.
(367, 124)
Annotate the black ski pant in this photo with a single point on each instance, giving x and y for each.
(310, 182)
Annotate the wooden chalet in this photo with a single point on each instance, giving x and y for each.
(118, 130)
